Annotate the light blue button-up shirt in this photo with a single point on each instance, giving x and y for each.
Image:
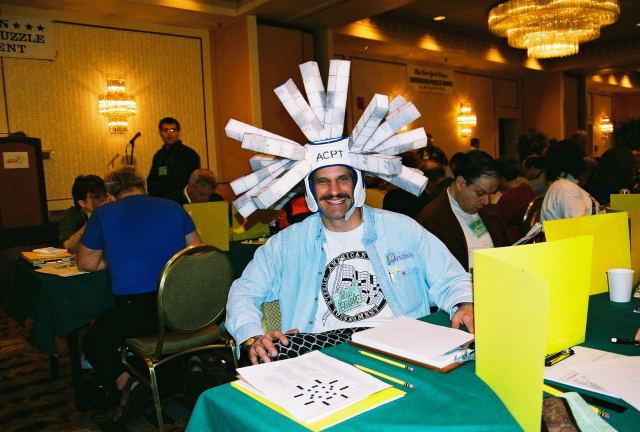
(414, 268)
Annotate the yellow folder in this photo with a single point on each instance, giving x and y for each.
(212, 222)
(610, 242)
(376, 399)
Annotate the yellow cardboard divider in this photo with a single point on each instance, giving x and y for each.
(610, 242)
(530, 300)
(564, 266)
(212, 222)
(624, 202)
(510, 316)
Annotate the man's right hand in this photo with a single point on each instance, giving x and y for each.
(263, 349)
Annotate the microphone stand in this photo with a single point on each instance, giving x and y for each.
(129, 157)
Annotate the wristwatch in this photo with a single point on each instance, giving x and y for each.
(249, 342)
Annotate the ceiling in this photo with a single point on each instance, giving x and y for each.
(616, 51)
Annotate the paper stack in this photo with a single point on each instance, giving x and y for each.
(437, 348)
(48, 256)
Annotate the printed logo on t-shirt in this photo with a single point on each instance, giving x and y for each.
(350, 291)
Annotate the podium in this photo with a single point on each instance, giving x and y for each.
(23, 197)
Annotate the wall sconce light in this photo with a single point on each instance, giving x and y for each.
(606, 127)
(466, 120)
(116, 105)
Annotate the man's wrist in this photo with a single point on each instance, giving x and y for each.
(457, 306)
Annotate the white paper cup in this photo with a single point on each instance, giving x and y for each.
(620, 284)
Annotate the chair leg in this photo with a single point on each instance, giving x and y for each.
(156, 397)
(233, 356)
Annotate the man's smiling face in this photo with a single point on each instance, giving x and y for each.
(333, 191)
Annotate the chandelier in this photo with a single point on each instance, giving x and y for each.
(116, 105)
(551, 28)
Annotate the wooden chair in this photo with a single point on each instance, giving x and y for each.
(192, 294)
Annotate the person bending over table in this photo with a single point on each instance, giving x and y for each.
(88, 193)
(461, 217)
(348, 267)
(132, 238)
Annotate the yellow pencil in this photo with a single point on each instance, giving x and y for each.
(385, 376)
(555, 392)
(386, 360)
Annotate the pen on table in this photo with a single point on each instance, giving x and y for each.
(385, 376)
(625, 341)
(552, 359)
(555, 392)
(386, 360)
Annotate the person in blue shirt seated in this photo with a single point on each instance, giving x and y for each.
(345, 267)
(132, 238)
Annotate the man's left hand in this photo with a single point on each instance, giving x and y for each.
(463, 316)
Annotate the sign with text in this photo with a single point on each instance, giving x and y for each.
(26, 37)
(12, 160)
(431, 80)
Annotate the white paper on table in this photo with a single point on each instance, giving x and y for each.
(619, 376)
(291, 384)
(565, 372)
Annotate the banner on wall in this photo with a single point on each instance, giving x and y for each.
(26, 37)
(427, 79)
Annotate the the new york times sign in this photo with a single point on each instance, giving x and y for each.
(26, 37)
(431, 80)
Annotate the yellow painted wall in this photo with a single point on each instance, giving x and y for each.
(167, 69)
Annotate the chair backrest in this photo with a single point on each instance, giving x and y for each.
(193, 289)
(532, 214)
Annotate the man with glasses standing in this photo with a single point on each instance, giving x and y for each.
(172, 164)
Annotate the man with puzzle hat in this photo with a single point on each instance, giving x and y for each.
(348, 266)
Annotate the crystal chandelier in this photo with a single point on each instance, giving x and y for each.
(116, 105)
(551, 28)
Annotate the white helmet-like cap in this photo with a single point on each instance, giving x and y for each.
(371, 146)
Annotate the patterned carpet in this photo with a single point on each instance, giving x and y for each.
(31, 400)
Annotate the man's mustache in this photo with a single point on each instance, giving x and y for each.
(336, 196)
